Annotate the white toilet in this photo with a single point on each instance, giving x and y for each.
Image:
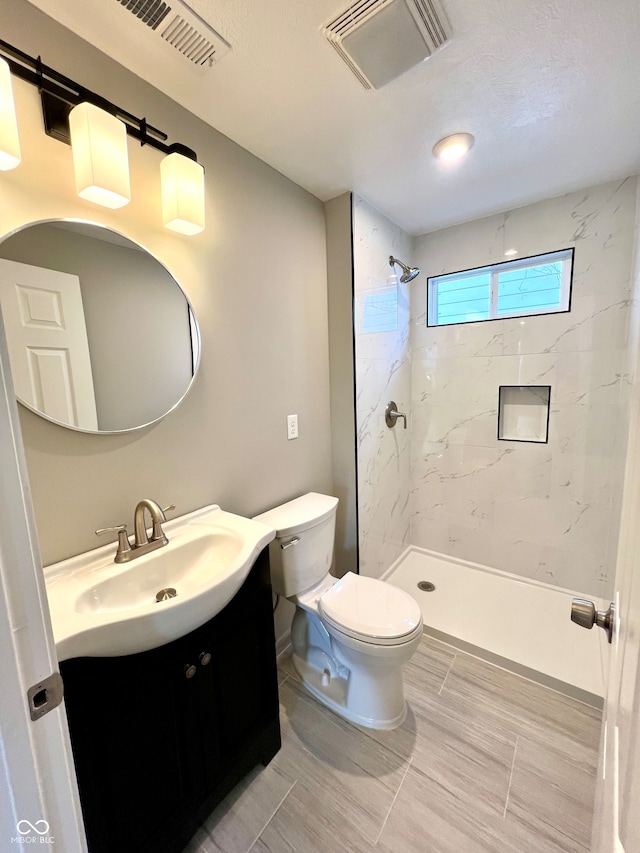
(351, 636)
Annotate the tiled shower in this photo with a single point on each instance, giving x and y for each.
(546, 511)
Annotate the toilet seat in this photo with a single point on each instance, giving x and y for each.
(371, 611)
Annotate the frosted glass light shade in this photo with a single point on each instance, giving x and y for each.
(100, 158)
(182, 182)
(10, 156)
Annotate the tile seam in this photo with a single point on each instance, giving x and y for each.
(513, 764)
(271, 817)
(447, 675)
(393, 802)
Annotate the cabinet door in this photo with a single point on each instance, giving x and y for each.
(126, 725)
(246, 673)
(199, 734)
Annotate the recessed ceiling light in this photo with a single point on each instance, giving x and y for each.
(510, 252)
(453, 147)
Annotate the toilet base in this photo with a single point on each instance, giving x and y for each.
(334, 697)
(356, 680)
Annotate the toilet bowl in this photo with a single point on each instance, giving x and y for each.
(350, 636)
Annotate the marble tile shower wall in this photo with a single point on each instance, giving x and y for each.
(383, 373)
(544, 511)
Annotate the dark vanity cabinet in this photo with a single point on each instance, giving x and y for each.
(160, 737)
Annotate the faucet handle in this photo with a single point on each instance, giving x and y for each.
(119, 528)
(124, 546)
(391, 415)
(158, 532)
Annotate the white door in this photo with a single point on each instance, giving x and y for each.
(48, 346)
(617, 814)
(38, 794)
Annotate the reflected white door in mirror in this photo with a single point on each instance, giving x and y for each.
(101, 337)
(47, 340)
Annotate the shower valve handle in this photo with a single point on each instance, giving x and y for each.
(391, 415)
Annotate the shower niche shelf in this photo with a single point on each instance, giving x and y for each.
(523, 413)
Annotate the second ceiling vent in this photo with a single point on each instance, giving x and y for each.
(381, 39)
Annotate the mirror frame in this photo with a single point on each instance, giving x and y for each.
(195, 326)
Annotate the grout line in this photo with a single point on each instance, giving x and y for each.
(513, 763)
(271, 816)
(448, 671)
(291, 674)
(393, 802)
(286, 678)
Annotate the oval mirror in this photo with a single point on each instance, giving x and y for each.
(101, 337)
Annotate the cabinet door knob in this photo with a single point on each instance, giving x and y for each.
(190, 671)
(205, 658)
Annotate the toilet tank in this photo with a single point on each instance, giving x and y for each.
(302, 552)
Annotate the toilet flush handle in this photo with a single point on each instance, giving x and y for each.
(291, 542)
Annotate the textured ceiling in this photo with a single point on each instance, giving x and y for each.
(549, 89)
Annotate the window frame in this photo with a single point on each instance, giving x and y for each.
(494, 270)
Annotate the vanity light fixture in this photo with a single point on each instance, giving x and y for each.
(182, 180)
(9, 141)
(453, 147)
(100, 157)
(97, 130)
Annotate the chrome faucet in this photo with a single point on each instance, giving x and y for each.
(142, 544)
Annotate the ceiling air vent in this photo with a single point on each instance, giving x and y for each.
(150, 12)
(381, 39)
(181, 29)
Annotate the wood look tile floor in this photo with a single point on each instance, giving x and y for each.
(486, 762)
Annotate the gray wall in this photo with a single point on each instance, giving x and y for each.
(257, 280)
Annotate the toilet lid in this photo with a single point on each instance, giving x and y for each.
(371, 609)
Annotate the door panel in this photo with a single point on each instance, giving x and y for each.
(48, 345)
(617, 816)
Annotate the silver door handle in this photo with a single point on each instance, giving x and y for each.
(584, 613)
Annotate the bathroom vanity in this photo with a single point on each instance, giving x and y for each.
(160, 737)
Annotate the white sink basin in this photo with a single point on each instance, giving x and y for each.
(100, 608)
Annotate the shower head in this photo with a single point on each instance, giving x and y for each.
(408, 273)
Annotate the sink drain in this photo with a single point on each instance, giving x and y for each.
(426, 586)
(166, 593)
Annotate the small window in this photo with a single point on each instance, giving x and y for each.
(537, 285)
